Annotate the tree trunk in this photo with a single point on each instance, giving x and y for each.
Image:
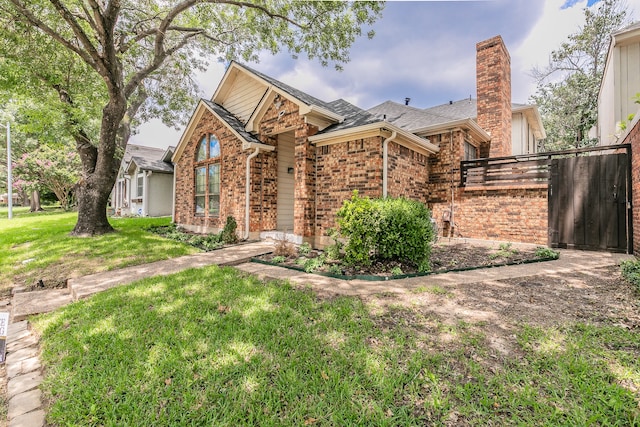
(35, 202)
(92, 208)
(100, 169)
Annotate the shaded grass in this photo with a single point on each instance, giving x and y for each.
(36, 246)
(215, 347)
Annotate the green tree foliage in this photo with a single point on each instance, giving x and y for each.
(50, 169)
(390, 229)
(104, 67)
(567, 92)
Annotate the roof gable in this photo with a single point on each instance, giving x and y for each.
(247, 95)
(225, 117)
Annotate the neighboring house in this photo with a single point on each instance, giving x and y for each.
(145, 182)
(281, 162)
(620, 84)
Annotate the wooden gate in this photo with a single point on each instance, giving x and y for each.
(589, 203)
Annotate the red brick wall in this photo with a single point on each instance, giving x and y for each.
(342, 168)
(633, 138)
(493, 80)
(408, 174)
(287, 118)
(232, 172)
(513, 214)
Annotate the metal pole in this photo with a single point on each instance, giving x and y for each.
(9, 178)
(9, 186)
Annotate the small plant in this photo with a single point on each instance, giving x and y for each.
(396, 271)
(631, 272)
(301, 261)
(505, 250)
(284, 248)
(335, 269)
(211, 242)
(304, 249)
(334, 251)
(278, 259)
(542, 252)
(312, 264)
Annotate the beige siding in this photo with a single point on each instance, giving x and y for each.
(285, 199)
(244, 97)
(519, 134)
(620, 83)
(629, 78)
(160, 194)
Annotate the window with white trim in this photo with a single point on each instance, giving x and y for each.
(207, 177)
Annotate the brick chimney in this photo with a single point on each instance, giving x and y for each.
(493, 86)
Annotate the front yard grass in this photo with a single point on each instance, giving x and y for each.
(213, 346)
(38, 247)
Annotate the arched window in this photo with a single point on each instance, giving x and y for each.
(208, 148)
(207, 177)
(202, 150)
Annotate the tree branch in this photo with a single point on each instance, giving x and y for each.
(79, 32)
(33, 20)
(88, 153)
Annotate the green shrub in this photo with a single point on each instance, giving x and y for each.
(228, 234)
(542, 252)
(312, 264)
(359, 221)
(304, 249)
(278, 259)
(405, 232)
(390, 229)
(631, 272)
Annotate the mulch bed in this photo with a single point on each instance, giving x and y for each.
(444, 257)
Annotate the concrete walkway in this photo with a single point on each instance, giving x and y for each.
(24, 373)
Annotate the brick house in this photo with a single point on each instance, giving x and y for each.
(282, 162)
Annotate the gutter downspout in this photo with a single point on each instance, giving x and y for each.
(385, 162)
(248, 192)
(173, 196)
(145, 193)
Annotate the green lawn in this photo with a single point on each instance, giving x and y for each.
(38, 246)
(216, 347)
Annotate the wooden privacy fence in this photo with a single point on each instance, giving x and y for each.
(521, 170)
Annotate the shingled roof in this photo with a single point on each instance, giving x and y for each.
(231, 120)
(146, 158)
(411, 118)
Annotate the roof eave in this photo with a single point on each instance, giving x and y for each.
(468, 123)
(381, 128)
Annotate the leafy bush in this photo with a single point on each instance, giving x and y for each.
(228, 234)
(391, 229)
(312, 264)
(334, 251)
(405, 232)
(631, 272)
(359, 221)
(278, 259)
(304, 249)
(542, 252)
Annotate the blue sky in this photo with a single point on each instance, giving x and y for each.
(423, 50)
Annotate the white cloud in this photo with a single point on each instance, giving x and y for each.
(422, 50)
